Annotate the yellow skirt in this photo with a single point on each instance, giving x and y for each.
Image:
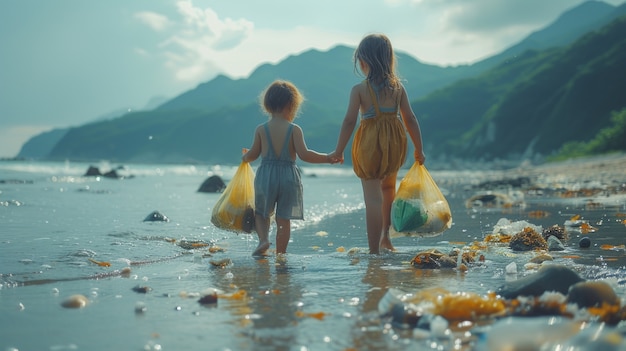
(379, 147)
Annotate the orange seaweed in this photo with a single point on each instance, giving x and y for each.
(538, 214)
(100, 263)
(498, 238)
(317, 315)
(468, 306)
(613, 247)
(585, 228)
(199, 244)
(604, 312)
(237, 295)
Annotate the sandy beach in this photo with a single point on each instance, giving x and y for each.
(608, 170)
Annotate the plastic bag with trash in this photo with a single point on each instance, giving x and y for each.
(419, 208)
(234, 210)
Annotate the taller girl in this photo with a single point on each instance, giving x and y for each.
(380, 145)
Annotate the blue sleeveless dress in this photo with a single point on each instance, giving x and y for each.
(278, 183)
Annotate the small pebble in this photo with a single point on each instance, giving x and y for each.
(585, 242)
(142, 289)
(140, 308)
(511, 268)
(75, 301)
(208, 299)
(439, 327)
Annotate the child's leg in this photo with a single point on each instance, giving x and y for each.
(262, 225)
(283, 234)
(388, 187)
(373, 197)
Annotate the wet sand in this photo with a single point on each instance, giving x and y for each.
(607, 170)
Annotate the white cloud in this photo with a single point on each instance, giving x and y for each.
(461, 31)
(219, 34)
(153, 20)
(197, 38)
(241, 61)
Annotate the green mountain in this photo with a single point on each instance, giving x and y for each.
(503, 107)
(325, 78)
(214, 121)
(534, 104)
(571, 25)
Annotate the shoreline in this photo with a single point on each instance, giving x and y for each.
(610, 167)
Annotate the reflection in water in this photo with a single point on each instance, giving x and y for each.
(368, 333)
(378, 278)
(270, 319)
(383, 273)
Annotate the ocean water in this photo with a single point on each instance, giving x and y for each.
(323, 295)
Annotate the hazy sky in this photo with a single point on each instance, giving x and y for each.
(67, 62)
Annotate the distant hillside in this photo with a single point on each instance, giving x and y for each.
(183, 136)
(571, 25)
(221, 114)
(325, 78)
(498, 108)
(39, 146)
(534, 104)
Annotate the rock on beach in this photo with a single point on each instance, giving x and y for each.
(548, 278)
(75, 301)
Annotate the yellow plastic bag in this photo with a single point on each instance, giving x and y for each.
(419, 208)
(234, 210)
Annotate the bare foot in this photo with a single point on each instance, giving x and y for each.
(261, 249)
(385, 243)
(281, 258)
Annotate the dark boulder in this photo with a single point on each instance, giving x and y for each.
(156, 216)
(93, 171)
(584, 242)
(592, 294)
(551, 277)
(111, 174)
(213, 184)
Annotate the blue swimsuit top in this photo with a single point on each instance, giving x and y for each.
(371, 112)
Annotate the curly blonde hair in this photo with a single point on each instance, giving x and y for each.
(282, 96)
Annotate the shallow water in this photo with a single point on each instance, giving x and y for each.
(323, 295)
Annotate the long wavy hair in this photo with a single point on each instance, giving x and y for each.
(376, 51)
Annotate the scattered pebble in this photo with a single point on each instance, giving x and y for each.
(142, 289)
(208, 299)
(75, 301)
(584, 242)
(592, 294)
(140, 308)
(511, 268)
